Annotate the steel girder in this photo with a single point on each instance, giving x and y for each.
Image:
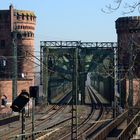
(63, 44)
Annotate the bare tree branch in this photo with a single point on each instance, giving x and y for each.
(110, 8)
(132, 7)
(128, 7)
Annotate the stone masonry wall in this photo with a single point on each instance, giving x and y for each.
(6, 88)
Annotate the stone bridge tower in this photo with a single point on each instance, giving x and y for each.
(128, 31)
(16, 28)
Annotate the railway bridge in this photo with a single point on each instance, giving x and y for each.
(77, 65)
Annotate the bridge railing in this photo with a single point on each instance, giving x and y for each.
(105, 131)
(131, 127)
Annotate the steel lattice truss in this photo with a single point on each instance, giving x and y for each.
(59, 43)
(89, 53)
(99, 44)
(78, 43)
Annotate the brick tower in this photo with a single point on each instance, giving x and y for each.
(128, 31)
(16, 29)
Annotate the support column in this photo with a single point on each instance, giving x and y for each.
(116, 96)
(41, 65)
(82, 77)
(74, 125)
(23, 125)
(14, 69)
(45, 72)
(33, 119)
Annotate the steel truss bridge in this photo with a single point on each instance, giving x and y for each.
(71, 61)
(59, 58)
(66, 61)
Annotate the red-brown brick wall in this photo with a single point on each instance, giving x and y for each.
(6, 88)
(136, 91)
(128, 33)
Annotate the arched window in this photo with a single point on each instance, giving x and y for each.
(22, 16)
(18, 16)
(27, 16)
(31, 18)
(24, 34)
(28, 34)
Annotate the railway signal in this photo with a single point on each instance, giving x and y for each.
(18, 105)
(20, 102)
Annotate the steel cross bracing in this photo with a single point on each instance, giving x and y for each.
(99, 44)
(78, 43)
(59, 43)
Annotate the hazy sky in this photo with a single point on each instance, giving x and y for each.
(69, 19)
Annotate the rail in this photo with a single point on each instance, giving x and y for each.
(88, 129)
(10, 119)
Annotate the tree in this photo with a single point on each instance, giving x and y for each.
(129, 7)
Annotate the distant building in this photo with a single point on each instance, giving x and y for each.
(16, 29)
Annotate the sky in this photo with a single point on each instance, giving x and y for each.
(70, 19)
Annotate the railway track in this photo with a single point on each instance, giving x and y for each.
(45, 117)
(88, 127)
(101, 119)
(101, 129)
(93, 115)
(14, 131)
